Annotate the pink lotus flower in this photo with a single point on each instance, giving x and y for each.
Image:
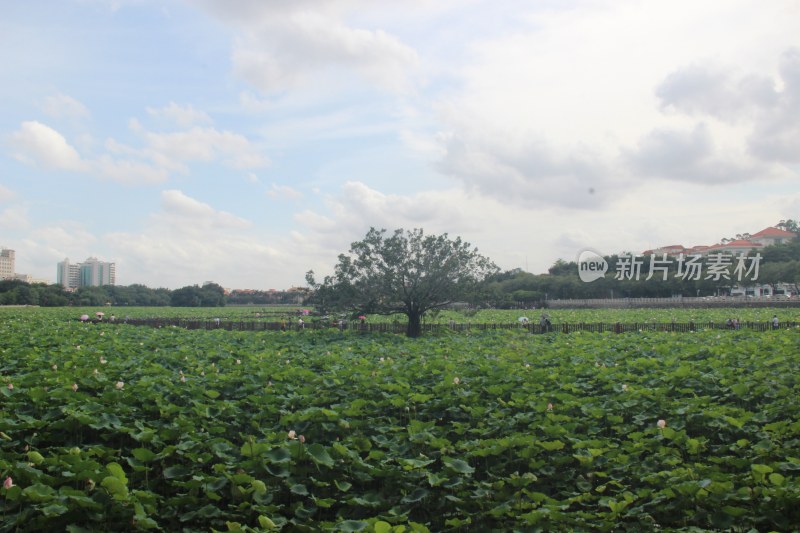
(302, 438)
(456, 380)
(292, 434)
(74, 387)
(120, 384)
(661, 424)
(10, 386)
(8, 483)
(549, 406)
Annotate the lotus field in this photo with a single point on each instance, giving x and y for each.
(111, 427)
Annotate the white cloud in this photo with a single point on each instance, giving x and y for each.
(288, 45)
(692, 156)
(776, 135)
(183, 116)
(711, 90)
(189, 215)
(284, 191)
(6, 194)
(37, 143)
(203, 144)
(63, 106)
(570, 104)
(65, 238)
(127, 171)
(188, 241)
(14, 218)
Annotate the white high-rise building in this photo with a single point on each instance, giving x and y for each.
(6, 264)
(90, 273)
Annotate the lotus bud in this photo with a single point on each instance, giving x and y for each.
(120, 384)
(74, 387)
(661, 424)
(8, 483)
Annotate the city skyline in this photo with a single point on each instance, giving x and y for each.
(248, 142)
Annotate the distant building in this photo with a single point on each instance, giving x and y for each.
(90, 273)
(6, 264)
(737, 247)
(741, 245)
(770, 236)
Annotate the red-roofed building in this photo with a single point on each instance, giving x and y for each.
(744, 244)
(771, 235)
(739, 246)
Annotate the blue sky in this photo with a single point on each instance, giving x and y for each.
(248, 141)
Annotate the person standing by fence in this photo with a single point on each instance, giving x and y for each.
(775, 322)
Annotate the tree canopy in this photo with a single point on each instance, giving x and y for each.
(406, 272)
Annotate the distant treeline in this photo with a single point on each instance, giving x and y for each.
(15, 292)
(780, 264)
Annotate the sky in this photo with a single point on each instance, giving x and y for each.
(246, 142)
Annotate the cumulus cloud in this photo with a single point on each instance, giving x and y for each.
(189, 241)
(767, 110)
(6, 194)
(531, 175)
(63, 106)
(193, 216)
(37, 143)
(776, 134)
(65, 238)
(287, 45)
(283, 191)
(691, 155)
(564, 111)
(345, 217)
(14, 218)
(710, 90)
(203, 144)
(358, 206)
(127, 171)
(184, 116)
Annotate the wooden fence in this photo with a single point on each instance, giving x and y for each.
(400, 327)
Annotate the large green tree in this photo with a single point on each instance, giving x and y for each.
(406, 272)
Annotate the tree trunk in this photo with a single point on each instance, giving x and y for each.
(414, 324)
